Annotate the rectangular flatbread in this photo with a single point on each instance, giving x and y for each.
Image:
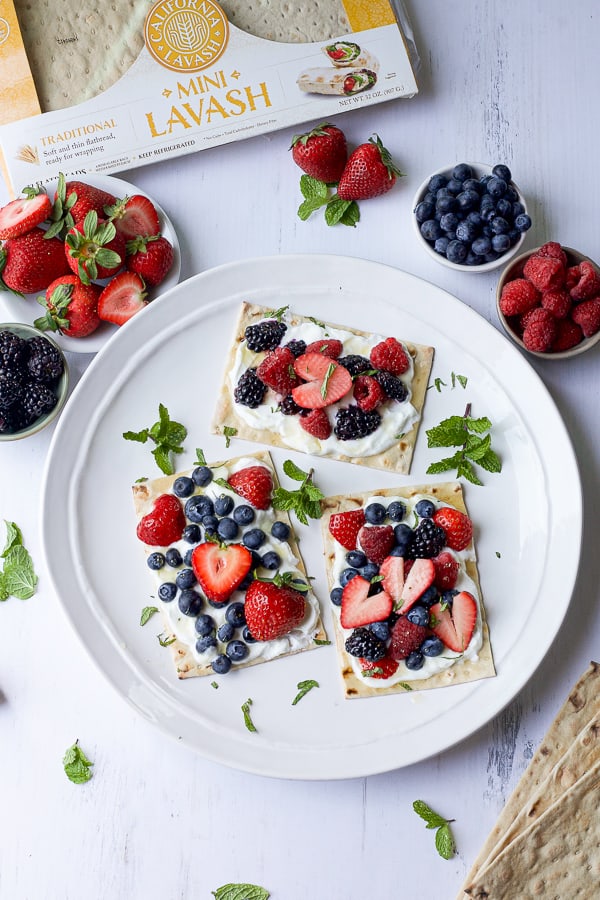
(447, 668)
(180, 629)
(300, 22)
(389, 445)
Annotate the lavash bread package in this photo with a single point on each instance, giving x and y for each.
(103, 87)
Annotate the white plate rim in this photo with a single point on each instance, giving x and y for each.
(280, 764)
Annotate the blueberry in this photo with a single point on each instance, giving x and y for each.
(501, 171)
(431, 230)
(227, 529)
(429, 597)
(499, 225)
(454, 186)
(474, 218)
(356, 559)
(501, 243)
(271, 560)
(191, 534)
(248, 636)
(472, 259)
(280, 531)
(462, 171)
(504, 208)
(517, 209)
(205, 642)
(514, 236)
(496, 187)
(244, 514)
(468, 200)
(190, 603)
(221, 664)
(369, 571)
(396, 511)
(457, 252)
(183, 486)
(424, 210)
(486, 231)
(223, 505)
(446, 205)
(202, 476)
(418, 615)
(247, 581)
(167, 591)
(375, 513)
(512, 193)
(336, 596)
(346, 576)
(225, 632)
(236, 651)
(485, 180)
(235, 614)
(414, 660)
(471, 184)
(449, 221)
(523, 222)
(173, 557)
(187, 559)
(380, 630)
(448, 596)
(491, 257)
(156, 561)
(211, 523)
(254, 538)
(205, 624)
(399, 550)
(425, 509)
(436, 182)
(198, 506)
(185, 579)
(466, 232)
(431, 646)
(481, 246)
(486, 202)
(441, 245)
(403, 534)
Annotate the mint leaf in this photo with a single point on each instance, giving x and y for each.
(19, 577)
(466, 470)
(240, 892)
(449, 433)
(432, 818)
(351, 215)
(277, 313)
(293, 471)
(303, 688)
(405, 685)
(200, 457)
(228, 433)
(147, 613)
(330, 370)
(140, 436)
(247, 718)
(335, 209)
(444, 842)
(313, 189)
(14, 537)
(214, 685)
(162, 457)
(442, 465)
(321, 643)
(470, 434)
(307, 208)
(491, 462)
(77, 765)
(168, 436)
(3, 589)
(478, 425)
(166, 641)
(305, 501)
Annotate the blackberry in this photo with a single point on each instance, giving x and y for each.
(356, 365)
(296, 347)
(11, 388)
(37, 399)
(249, 390)
(264, 336)
(428, 540)
(393, 386)
(363, 643)
(13, 349)
(45, 362)
(352, 423)
(289, 407)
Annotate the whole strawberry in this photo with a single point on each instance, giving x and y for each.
(164, 524)
(321, 153)
(94, 248)
(273, 608)
(457, 526)
(85, 197)
(369, 172)
(150, 257)
(29, 263)
(254, 484)
(71, 307)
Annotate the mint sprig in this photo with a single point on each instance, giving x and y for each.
(305, 501)
(17, 578)
(318, 194)
(168, 436)
(77, 765)
(241, 892)
(444, 841)
(470, 435)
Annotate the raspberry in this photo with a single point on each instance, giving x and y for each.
(545, 273)
(328, 347)
(391, 356)
(553, 250)
(317, 424)
(587, 316)
(588, 284)
(249, 390)
(368, 393)
(557, 302)
(540, 331)
(352, 423)
(526, 318)
(355, 364)
(265, 335)
(406, 638)
(518, 297)
(572, 277)
(363, 643)
(568, 334)
(393, 387)
(277, 371)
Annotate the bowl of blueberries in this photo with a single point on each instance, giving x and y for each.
(471, 217)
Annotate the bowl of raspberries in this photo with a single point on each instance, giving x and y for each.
(34, 381)
(471, 217)
(548, 301)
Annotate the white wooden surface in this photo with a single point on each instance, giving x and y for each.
(511, 82)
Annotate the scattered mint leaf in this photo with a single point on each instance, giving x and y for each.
(214, 685)
(330, 370)
(444, 841)
(277, 313)
(228, 433)
(200, 457)
(293, 471)
(498, 554)
(316, 322)
(240, 892)
(168, 436)
(371, 673)
(14, 537)
(351, 215)
(470, 435)
(313, 189)
(439, 384)
(305, 501)
(336, 209)
(247, 718)
(77, 765)
(147, 613)
(321, 643)
(141, 480)
(19, 577)
(462, 380)
(303, 688)
(3, 589)
(405, 685)
(166, 642)
(224, 484)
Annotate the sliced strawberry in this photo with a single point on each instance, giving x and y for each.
(457, 525)
(380, 668)
(254, 484)
(135, 216)
(326, 381)
(376, 541)
(406, 637)
(330, 347)
(220, 570)
(358, 608)
(419, 578)
(122, 298)
(277, 371)
(20, 216)
(446, 571)
(392, 569)
(272, 609)
(344, 527)
(455, 628)
(164, 524)
(316, 423)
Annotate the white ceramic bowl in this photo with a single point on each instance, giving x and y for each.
(479, 170)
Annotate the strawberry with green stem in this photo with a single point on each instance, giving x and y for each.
(321, 152)
(71, 307)
(369, 172)
(29, 263)
(150, 257)
(94, 249)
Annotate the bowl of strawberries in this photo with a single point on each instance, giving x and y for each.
(548, 301)
(92, 254)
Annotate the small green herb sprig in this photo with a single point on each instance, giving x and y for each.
(318, 194)
(471, 436)
(228, 433)
(147, 613)
(303, 688)
(168, 436)
(444, 841)
(305, 501)
(77, 765)
(241, 892)
(247, 717)
(17, 578)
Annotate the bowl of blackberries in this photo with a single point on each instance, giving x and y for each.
(34, 381)
(471, 217)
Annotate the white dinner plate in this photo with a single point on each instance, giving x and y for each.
(28, 309)
(528, 518)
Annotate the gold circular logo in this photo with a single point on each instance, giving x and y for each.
(186, 35)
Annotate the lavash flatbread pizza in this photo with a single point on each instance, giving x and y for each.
(293, 381)
(211, 536)
(404, 587)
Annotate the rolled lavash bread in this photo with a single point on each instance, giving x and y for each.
(336, 81)
(298, 22)
(77, 50)
(346, 53)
